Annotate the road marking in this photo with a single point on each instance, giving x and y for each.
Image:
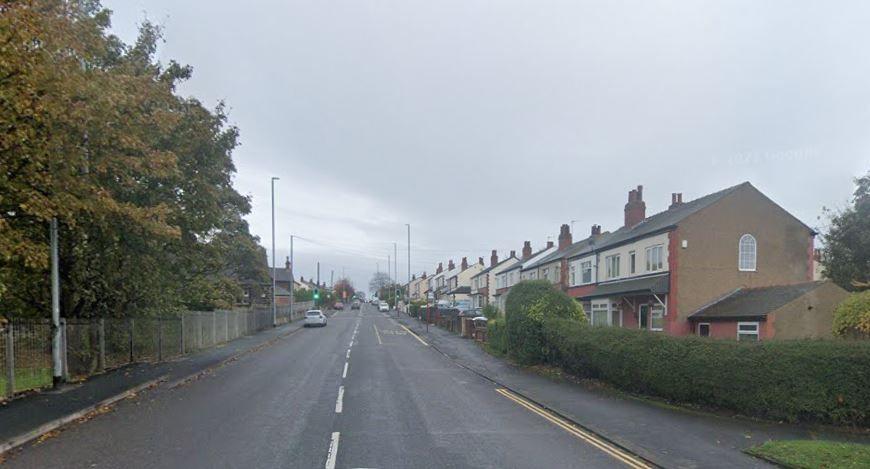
(614, 451)
(351, 343)
(348, 354)
(415, 335)
(339, 403)
(344, 373)
(333, 450)
(377, 334)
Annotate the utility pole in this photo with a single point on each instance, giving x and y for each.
(318, 273)
(331, 278)
(388, 267)
(274, 307)
(396, 270)
(57, 364)
(409, 257)
(292, 278)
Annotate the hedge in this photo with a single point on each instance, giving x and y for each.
(823, 381)
(526, 307)
(852, 316)
(496, 336)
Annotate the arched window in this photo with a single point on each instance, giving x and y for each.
(747, 253)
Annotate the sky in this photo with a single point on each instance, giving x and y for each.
(484, 124)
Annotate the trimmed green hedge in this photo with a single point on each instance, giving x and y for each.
(852, 316)
(527, 305)
(800, 380)
(496, 336)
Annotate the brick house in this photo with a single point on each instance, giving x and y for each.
(657, 272)
(510, 276)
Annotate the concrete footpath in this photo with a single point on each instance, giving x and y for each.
(30, 416)
(666, 435)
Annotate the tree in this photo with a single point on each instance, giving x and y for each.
(139, 178)
(528, 305)
(343, 289)
(846, 257)
(852, 316)
(378, 282)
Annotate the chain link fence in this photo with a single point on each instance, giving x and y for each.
(91, 346)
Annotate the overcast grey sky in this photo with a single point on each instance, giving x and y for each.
(483, 124)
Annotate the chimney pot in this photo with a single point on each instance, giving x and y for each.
(450, 265)
(549, 244)
(493, 258)
(287, 263)
(635, 209)
(480, 260)
(513, 253)
(440, 268)
(527, 250)
(565, 237)
(676, 200)
(464, 263)
(596, 230)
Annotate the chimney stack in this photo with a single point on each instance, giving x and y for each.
(424, 274)
(450, 265)
(676, 200)
(413, 276)
(527, 250)
(493, 258)
(565, 238)
(596, 230)
(301, 278)
(464, 263)
(439, 269)
(549, 244)
(635, 209)
(513, 253)
(287, 263)
(480, 261)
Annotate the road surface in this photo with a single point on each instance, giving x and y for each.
(361, 392)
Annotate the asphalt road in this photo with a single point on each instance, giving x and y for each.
(361, 392)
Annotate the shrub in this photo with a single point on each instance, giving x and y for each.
(526, 307)
(496, 336)
(798, 380)
(852, 316)
(490, 311)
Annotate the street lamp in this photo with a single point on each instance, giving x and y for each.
(274, 283)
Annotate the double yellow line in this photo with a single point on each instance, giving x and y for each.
(618, 453)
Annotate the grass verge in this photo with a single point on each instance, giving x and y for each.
(801, 454)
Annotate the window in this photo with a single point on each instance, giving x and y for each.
(747, 253)
(657, 318)
(556, 274)
(586, 271)
(747, 331)
(573, 274)
(704, 329)
(546, 274)
(612, 263)
(631, 262)
(600, 313)
(654, 258)
(510, 279)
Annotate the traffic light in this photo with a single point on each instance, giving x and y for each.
(397, 293)
(316, 294)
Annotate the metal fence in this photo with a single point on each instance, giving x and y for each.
(91, 346)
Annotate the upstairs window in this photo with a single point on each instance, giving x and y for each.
(612, 263)
(632, 262)
(586, 271)
(747, 253)
(573, 274)
(654, 258)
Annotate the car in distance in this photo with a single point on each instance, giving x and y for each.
(383, 306)
(338, 305)
(314, 317)
(355, 305)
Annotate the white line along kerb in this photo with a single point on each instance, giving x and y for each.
(333, 451)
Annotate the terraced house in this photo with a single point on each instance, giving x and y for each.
(681, 270)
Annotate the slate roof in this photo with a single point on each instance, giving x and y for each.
(282, 274)
(580, 247)
(658, 284)
(663, 220)
(754, 302)
(533, 260)
(486, 270)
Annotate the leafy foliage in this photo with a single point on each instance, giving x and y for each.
(490, 311)
(527, 305)
(847, 243)
(343, 289)
(496, 336)
(852, 316)
(139, 178)
(800, 380)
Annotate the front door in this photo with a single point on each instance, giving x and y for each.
(643, 317)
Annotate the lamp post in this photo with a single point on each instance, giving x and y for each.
(274, 307)
(408, 288)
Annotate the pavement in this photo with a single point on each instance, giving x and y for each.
(665, 435)
(362, 392)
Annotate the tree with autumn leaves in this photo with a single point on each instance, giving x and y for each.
(139, 178)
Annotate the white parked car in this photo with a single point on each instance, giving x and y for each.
(315, 317)
(383, 306)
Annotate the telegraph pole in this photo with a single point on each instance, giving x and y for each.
(57, 364)
(292, 278)
(274, 307)
(396, 270)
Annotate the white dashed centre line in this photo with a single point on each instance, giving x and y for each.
(348, 353)
(333, 451)
(344, 373)
(339, 403)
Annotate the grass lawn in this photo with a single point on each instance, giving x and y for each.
(27, 378)
(814, 454)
